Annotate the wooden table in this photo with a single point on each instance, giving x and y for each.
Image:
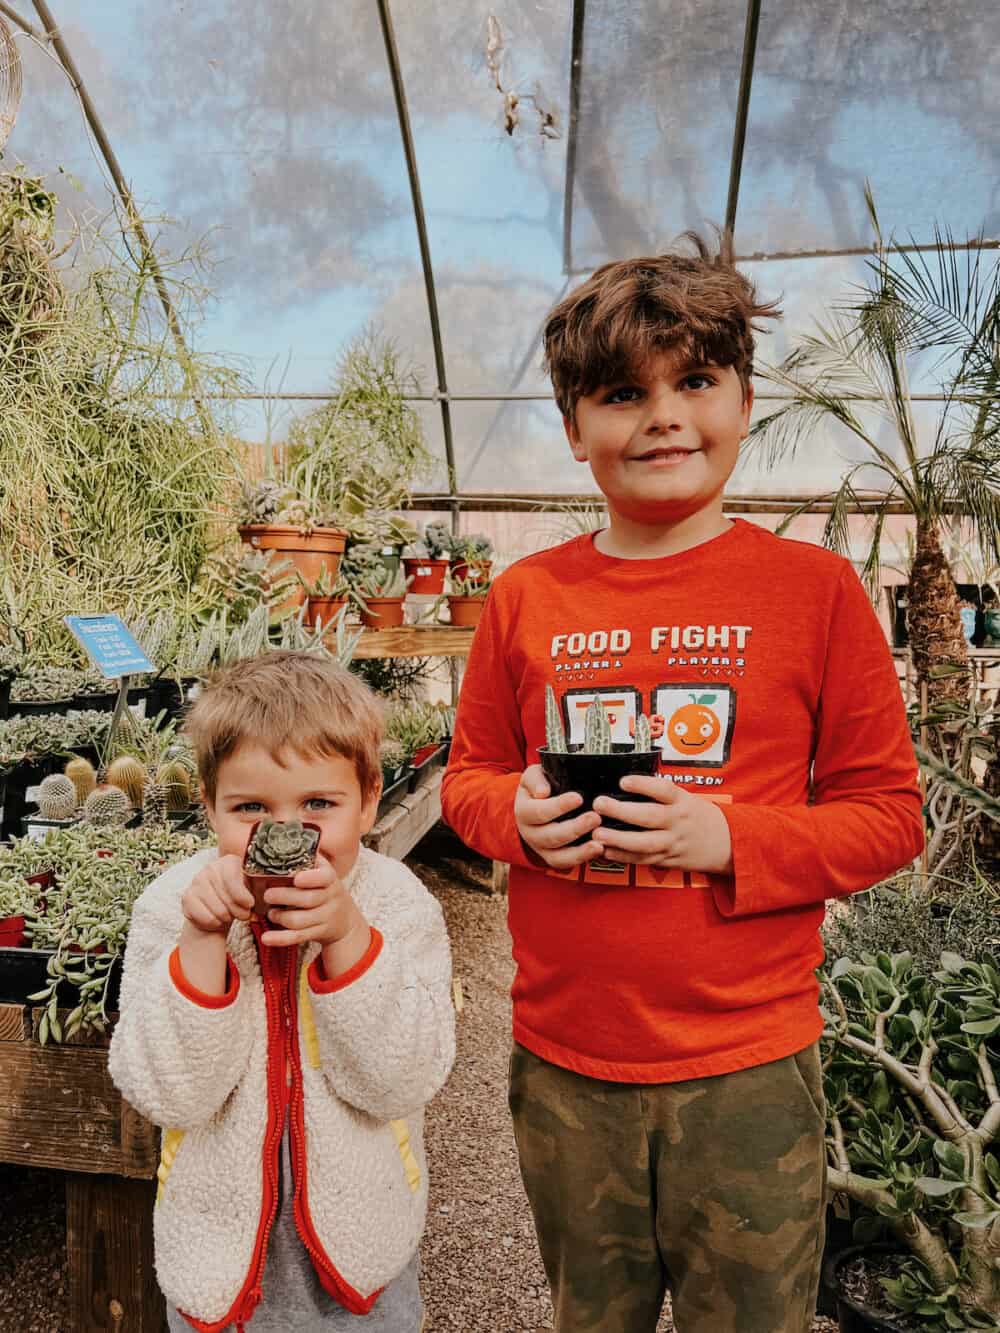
(60, 1110)
(415, 641)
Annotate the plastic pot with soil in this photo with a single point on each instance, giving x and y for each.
(382, 612)
(425, 575)
(862, 1306)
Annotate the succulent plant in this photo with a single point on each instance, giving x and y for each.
(106, 805)
(555, 735)
(259, 503)
(81, 773)
(281, 847)
(596, 729)
(57, 797)
(393, 757)
(471, 548)
(643, 738)
(130, 775)
(437, 539)
(154, 803)
(173, 776)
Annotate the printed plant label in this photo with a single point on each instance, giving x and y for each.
(622, 706)
(698, 723)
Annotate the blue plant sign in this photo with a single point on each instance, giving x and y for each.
(109, 645)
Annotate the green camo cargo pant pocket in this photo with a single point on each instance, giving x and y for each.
(712, 1187)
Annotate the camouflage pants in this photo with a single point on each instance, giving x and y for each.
(713, 1188)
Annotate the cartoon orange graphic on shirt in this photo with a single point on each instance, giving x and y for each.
(694, 727)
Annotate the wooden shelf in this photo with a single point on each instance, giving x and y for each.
(405, 823)
(415, 641)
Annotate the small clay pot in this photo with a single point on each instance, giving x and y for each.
(465, 611)
(12, 932)
(323, 609)
(382, 612)
(594, 775)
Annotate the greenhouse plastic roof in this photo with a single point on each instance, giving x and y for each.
(271, 131)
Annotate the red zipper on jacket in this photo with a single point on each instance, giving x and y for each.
(333, 1284)
(243, 1307)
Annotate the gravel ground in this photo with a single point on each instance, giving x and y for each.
(482, 1273)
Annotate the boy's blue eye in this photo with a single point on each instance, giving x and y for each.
(251, 807)
(623, 394)
(319, 803)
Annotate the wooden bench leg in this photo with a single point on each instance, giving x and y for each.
(109, 1240)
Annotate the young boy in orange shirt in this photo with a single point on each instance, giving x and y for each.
(665, 1079)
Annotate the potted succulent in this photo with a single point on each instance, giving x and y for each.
(470, 557)
(326, 597)
(378, 592)
(395, 774)
(277, 851)
(597, 766)
(273, 517)
(428, 567)
(17, 901)
(466, 598)
(419, 729)
(912, 1063)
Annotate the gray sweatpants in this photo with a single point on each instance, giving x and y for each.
(295, 1302)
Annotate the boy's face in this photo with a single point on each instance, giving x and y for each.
(322, 789)
(662, 446)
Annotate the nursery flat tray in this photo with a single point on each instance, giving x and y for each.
(422, 772)
(22, 973)
(399, 830)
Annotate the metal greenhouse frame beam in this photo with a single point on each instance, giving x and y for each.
(575, 65)
(392, 55)
(742, 112)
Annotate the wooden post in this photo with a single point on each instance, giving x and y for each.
(109, 1240)
(501, 877)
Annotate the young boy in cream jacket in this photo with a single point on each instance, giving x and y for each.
(288, 1060)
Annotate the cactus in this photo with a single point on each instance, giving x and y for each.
(643, 740)
(555, 736)
(281, 848)
(174, 777)
(57, 797)
(131, 776)
(106, 805)
(81, 773)
(154, 803)
(596, 730)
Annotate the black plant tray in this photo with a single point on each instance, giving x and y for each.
(393, 794)
(22, 973)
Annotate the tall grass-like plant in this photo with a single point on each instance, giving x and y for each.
(111, 467)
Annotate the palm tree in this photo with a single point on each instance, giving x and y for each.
(867, 349)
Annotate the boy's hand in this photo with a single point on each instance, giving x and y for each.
(536, 813)
(675, 828)
(316, 907)
(217, 896)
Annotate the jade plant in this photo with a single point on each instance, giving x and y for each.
(281, 847)
(911, 1060)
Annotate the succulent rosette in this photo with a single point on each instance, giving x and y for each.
(281, 847)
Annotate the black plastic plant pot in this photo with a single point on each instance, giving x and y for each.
(852, 1315)
(5, 684)
(594, 775)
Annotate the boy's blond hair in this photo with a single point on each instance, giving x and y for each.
(607, 329)
(287, 701)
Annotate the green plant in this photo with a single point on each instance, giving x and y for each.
(471, 586)
(175, 781)
(326, 585)
(106, 805)
(414, 725)
(241, 580)
(281, 847)
(57, 797)
(596, 729)
(393, 757)
(870, 348)
(83, 777)
(911, 1063)
(128, 774)
(437, 540)
(17, 896)
(471, 548)
(99, 873)
(555, 734)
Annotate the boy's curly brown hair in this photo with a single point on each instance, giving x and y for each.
(607, 329)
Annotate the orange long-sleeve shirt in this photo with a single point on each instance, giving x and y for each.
(771, 690)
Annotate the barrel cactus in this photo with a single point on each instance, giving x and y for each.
(131, 776)
(281, 847)
(57, 797)
(173, 776)
(596, 729)
(81, 773)
(555, 736)
(106, 805)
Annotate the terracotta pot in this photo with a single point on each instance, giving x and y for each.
(323, 609)
(427, 575)
(465, 610)
(310, 553)
(11, 932)
(383, 612)
(471, 569)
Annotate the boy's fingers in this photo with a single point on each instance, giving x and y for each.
(535, 783)
(316, 877)
(567, 857)
(555, 835)
(643, 814)
(545, 811)
(292, 896)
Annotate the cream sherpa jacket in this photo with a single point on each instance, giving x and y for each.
(353, 1061)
